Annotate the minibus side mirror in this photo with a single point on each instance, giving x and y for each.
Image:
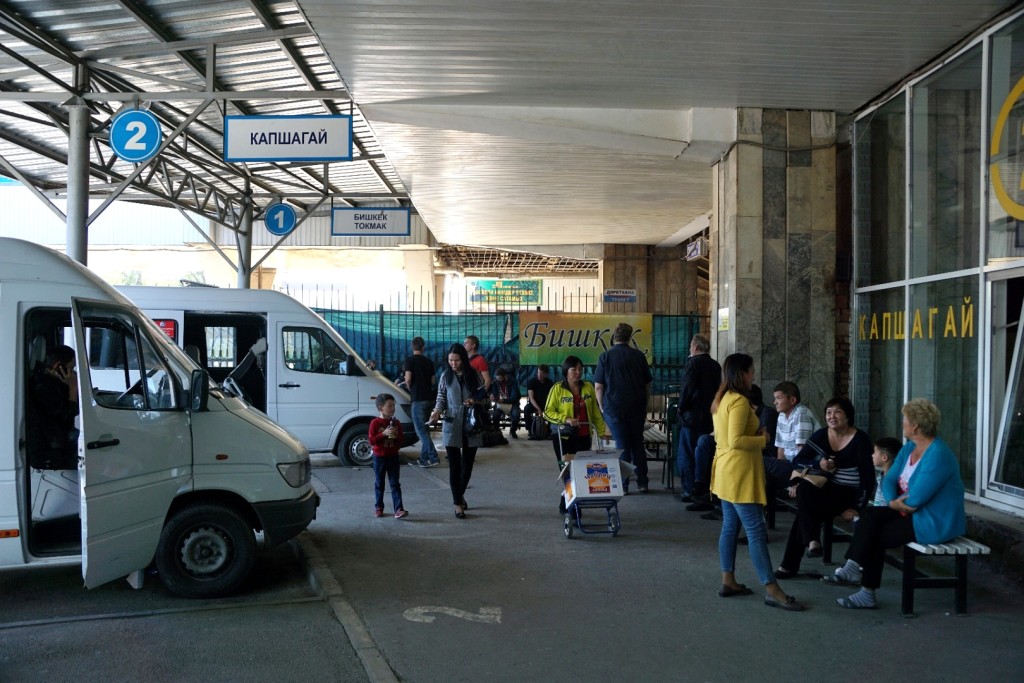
(200, 390)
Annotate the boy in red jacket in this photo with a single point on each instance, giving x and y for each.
(386, 438)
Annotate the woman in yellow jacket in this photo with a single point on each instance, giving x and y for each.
(737, 478)
(569, 403)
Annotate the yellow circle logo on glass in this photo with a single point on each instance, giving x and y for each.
(1007, 173)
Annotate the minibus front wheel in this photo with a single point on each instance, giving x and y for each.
(206, 550)
(354, 447)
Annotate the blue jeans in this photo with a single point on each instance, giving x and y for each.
(420, 413)
(703, 456)
(752, 518)
(629, 437)
(685, 458)
(391, 466)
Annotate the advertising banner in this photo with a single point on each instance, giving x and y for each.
(507, 292)
(548, 337)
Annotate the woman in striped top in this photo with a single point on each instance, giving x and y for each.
(842, 453)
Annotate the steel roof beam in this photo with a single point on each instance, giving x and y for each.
(175, 46)
(268, 20)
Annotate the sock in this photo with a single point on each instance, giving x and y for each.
(865, 597)
(850, 572)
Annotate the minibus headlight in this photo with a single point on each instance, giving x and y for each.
(295, 473)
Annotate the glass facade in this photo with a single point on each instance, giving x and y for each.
(879, 363)
(945, 163)
(943, 361)
(939, 273)
(881, 197)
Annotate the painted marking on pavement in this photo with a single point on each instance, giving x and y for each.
(487, 615)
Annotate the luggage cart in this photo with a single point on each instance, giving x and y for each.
(591, 480)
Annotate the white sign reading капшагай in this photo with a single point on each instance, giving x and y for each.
(288, 138)
(369, 222)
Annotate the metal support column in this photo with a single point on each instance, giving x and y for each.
(244, 240)
(78, 181)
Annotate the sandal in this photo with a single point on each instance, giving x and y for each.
(850, 604)
(834, 580)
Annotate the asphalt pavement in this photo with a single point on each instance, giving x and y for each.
(499, 596)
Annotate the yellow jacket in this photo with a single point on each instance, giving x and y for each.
(737, 472)
(559, 407)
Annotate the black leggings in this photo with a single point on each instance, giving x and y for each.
(460, 469)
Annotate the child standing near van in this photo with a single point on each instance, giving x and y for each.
(386, 438)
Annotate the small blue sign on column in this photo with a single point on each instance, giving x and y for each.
(280, 219)
(135, 135)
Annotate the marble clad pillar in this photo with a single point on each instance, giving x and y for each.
(773, 249)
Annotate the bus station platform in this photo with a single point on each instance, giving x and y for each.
(503, 595)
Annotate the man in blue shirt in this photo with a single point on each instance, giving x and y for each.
(622, 382)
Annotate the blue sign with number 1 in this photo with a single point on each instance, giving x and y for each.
(135, 135)
(280, 219)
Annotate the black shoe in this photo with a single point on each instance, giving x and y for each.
(699, 506)
(684, 498)
(714, 515)
(513, 435)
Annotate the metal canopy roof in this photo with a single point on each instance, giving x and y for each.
(177, 57)
(529, 123)
(562, 121)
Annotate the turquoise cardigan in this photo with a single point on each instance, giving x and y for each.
(935, 490)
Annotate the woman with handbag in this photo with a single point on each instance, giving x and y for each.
(570, 403)
(460, 393)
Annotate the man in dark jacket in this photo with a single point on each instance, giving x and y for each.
(701, 377)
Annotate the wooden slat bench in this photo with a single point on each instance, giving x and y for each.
(959, 549)
(654, 439)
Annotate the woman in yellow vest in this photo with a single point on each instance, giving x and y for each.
(737, 478)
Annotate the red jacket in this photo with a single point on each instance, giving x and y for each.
(382, 445)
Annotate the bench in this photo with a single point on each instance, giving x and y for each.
(960, 548)
(654, 439)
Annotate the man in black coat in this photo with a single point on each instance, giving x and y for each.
(701, 377)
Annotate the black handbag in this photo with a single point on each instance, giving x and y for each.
(539, 428)
(475, 419)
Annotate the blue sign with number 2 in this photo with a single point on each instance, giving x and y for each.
(135, 135)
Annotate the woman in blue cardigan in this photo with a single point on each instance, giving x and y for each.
(927, 505)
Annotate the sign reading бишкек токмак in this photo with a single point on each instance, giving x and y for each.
(365, 221)
(550, 337)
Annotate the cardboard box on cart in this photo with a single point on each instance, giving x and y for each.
(593, 475)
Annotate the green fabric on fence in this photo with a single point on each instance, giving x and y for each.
(499, 340)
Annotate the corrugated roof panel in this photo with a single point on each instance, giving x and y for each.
(245, 62)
